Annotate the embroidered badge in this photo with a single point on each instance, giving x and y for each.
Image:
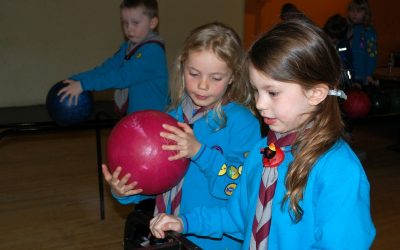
(218, 148)
(222, 171)
(233, 173)
(229, 189)
(272, 156)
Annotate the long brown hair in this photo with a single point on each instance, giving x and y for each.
(300, 53)
(224, 42)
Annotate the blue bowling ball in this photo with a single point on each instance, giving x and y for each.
(63, 113)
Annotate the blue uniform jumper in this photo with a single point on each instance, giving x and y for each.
(336, 205)
(215, 171)
(144, 73)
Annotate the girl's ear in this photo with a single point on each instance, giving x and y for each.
(317, 94)
(153, 23)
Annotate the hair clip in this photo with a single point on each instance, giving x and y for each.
(339, 93)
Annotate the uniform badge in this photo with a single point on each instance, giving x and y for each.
(222, 171)
(233, 173)
(272, 155)
(229, 189)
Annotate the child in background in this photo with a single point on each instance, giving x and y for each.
(140, 64)
(289, 11)
(216, 128)
(304, 176)
(363, 39)
(337, 27)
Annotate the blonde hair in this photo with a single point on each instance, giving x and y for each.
(224, 42)
(298, 52)
(361, 5)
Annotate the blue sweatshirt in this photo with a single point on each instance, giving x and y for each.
(364, 49)
(336, 206)
(215, 170)
(145, 74)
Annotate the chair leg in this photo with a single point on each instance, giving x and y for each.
(99, 173)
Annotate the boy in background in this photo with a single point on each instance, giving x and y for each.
(138, 70)
(337, 27)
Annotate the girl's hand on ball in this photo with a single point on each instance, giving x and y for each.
(119, 186)
(186, 144)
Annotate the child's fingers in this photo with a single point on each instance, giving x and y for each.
(64, 90)
(171, 147)
(67, 81)
(63, 95)
(186, 128)
(116, 173)
(176, 157)
(124, 179)
(170, 136)
(76, 99)
(180, 152)
(70, 100)
(60, 92)
(163, 222)
(130, 189)
(159, 234)
(172, 226)
(107, 175)
(173, 129)
(155, 227)
(134, 191)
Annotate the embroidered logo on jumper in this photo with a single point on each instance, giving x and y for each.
(229, 189)
(233, 173)
(218, 148)
(222, 171)
(138, 55)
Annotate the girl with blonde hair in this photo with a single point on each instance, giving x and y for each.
(216, 128)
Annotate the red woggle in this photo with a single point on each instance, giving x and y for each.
(272, 156)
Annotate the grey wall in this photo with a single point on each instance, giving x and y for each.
(44, 41)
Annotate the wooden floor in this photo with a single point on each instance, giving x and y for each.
(382, 166)
(49, 196)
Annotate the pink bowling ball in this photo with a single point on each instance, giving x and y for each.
(357, 104)
(135, 145)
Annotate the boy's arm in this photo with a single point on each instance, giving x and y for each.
(223, 169)
(147, 64)
(109, 64)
